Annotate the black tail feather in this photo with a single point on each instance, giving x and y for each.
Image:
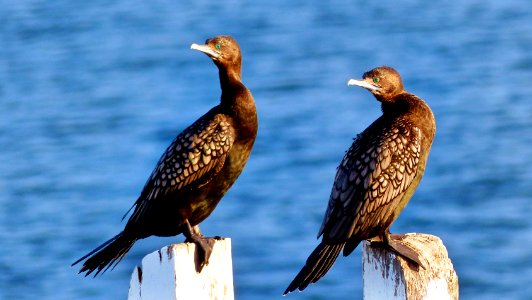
(328, 261)
(317, 265)
(107, 255)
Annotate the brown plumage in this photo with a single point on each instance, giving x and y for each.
(376, 177)
(195, 171)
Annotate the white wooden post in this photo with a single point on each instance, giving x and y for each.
(387, 276)
(170, 274)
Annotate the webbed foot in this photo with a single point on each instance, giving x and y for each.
(204, 245)
(395, 244)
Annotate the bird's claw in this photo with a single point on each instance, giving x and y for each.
(393, 243)
(203, 244)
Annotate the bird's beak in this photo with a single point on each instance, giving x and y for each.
(205, 49)
(363, 83)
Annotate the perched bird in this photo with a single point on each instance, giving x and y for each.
(195, 171)
(376, 177)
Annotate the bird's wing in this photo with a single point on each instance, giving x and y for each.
(192, 158)
(373, 173)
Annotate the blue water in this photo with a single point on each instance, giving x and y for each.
(92, 92)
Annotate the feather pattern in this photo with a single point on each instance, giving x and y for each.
(377, 176)
(370, 180)
(192, 158)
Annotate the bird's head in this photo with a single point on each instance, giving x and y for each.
(383, 82)
(223, 50)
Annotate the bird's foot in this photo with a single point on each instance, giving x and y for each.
(394, 243)
(204, 245)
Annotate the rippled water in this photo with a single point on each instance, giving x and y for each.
(92, 92)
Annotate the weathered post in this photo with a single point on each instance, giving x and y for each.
(170, 274)
(387, 276)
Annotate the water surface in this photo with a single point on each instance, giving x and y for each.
(91, 93)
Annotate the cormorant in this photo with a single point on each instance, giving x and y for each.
(376, 177)
(195, 171)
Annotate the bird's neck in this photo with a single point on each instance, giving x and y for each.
(229, 78)
(237, 101)
(413, 108)
(401, 103)
(395, 106)
(231, 86)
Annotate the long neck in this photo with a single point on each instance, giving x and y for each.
(237, 101)
(413, 108)
(230, 81)
(402, 103)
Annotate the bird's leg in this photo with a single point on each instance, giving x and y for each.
(393, 242)
(203, 245)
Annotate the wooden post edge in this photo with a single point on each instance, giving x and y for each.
(387, 276)
(170, 274)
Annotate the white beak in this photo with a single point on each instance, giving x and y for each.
(362, 83)
(205, 49)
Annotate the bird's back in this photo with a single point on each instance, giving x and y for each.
(196, 170)
(180, 184)
(376, 178)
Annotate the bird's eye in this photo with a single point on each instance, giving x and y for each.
(376, 79)
(218, 46)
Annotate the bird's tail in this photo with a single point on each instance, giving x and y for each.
(318, 263)
(107, 255)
